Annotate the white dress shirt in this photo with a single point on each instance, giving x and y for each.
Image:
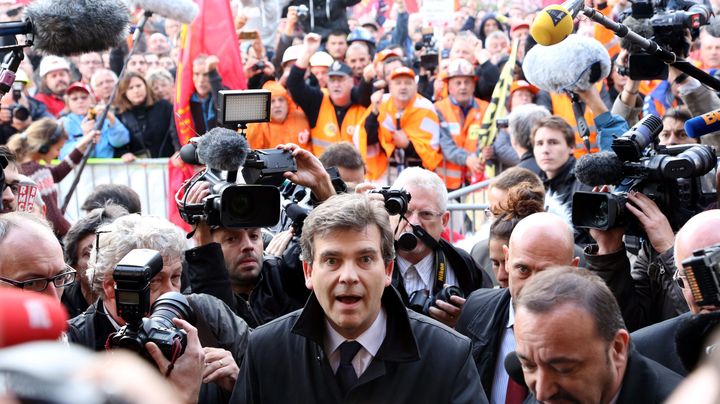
(507, 345)
(423, 277)
(370, 340)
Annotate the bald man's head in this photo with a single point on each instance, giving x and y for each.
(539, 241)
(699, 232)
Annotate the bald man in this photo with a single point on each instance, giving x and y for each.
(658, 340)
(32, 258)
(539, 241)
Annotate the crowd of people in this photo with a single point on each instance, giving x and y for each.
(363, 297)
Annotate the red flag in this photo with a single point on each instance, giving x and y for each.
(212, 33)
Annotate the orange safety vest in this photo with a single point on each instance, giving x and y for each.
(562, 107)
(419, 122)
(326, 130)
(464, 132)
(375, 159)
(267, 135)
(606, 36)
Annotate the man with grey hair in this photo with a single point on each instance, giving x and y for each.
(222, 333)
(425, 268)
(354, 341)
(102, 83)
(573, 345)
(539, 241)
(32, 257)
(521, 120)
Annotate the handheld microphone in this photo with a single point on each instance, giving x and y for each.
(67, 28)
(184, 11)
(514, 368)
(29, 316)
(703, 124)
(222, 149)
(597, 169)
(555, 22)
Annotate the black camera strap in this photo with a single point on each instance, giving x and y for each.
(440, 272)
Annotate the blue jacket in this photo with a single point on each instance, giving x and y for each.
(111, 136)
(609, 127)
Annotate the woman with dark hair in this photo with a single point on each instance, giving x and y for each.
(149, 120)
(41, 142)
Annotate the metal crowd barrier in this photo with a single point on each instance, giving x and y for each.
(147, 177)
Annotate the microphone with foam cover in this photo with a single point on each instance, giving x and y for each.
(222, 149)
(513, 367)
(29, 316)
(597, 169)
(555, 22)
(67, 28)
(183, 11)
(703, 124)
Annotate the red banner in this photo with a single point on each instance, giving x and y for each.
(212, 33)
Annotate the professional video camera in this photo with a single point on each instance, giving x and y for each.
(669, 21)
(421, 301)
(703, 275)
(144, 323)
(670, 176)
(254, 204)
(429, 59)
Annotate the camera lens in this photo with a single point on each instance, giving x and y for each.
(240, 205)
(21, 113)
(168, 306)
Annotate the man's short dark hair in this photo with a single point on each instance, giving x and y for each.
(681, 114)
(342, 154)
(578, 287)
(338, 32)
(86, 226)
(514, 176)
(522, 119)
(556, 123)
(115, 194)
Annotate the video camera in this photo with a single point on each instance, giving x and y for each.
(429, 59)
(703, 275)
(669, 21)
(669, 175)
(146, 323)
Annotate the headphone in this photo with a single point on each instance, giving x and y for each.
(54, 138)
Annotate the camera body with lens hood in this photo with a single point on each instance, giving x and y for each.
(396, 200)
(145, 322)
(421, 300)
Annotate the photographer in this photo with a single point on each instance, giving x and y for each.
(229, 264)
(258, 68)
(223, 335)
(325, 16)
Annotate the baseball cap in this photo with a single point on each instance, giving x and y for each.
(78, 86)
(402, 71)
(340, 69)
(385, 54)
(460, 68)
(519, 25)
(52, 63)
(321, 58)
(523, 85)
(292, 53)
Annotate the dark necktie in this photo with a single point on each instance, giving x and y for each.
(345, 375)
(515, 393)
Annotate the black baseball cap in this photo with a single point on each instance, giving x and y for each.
(339, 69)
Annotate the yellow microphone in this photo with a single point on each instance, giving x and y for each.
(554, 23)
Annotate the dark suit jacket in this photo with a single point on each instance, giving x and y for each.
(657, 342)
(419, 361)
(483, 319)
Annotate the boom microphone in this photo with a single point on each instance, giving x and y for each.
(514, 368)
(222, 149)
(29, 316)
(597, 169)
(67, 28)
(555, 22)
(703, 124)
(184, 11)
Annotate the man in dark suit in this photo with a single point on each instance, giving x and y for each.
(539, 241)
(658, 340)
(418, 270)
(355, 341)
(573, 345)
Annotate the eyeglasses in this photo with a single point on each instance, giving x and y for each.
(425, 215)
(40, 284)
(680, 279)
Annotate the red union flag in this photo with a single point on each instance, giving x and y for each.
(212, 33)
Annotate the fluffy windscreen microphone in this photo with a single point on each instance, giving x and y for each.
(29, 316)
(692, 338)
(573, 64)
(79, 26)
(222, 149)
(184, 11)
(597, 169)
